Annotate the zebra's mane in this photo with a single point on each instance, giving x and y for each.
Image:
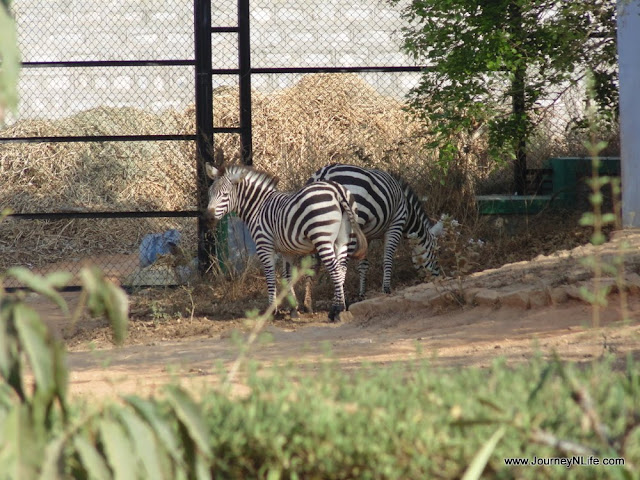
(414, 203)
(252, 175)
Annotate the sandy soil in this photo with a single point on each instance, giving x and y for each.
(513, 312)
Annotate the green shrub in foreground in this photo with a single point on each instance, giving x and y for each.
(422, 422)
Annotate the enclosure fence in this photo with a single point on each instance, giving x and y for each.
(103, 164)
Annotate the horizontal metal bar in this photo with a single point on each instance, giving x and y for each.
(268, 70)
(259, 70)
(112, 138)
(101, 215)
(224, 29)
(110, 63)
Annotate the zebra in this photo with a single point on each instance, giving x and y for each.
(320, 217)
(387, 208)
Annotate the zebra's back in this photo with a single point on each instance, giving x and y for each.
(379, 195)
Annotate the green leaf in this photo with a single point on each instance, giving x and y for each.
(52, 467)
(479, 462)
(190, 417)
(142, 436)
(33, 336)
(40, 285)
(163, 431)
(587, 219)
(105, 298)
(21, 452)
(91, 460)
(119, 451)
(598, 238)
(58, 279)
(10, 56)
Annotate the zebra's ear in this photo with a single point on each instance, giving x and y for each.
(212, 172)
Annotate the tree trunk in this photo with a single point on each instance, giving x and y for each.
(518, 101)
(520, 138)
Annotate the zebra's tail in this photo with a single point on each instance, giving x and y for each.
(349, 206)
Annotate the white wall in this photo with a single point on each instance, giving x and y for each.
(285, 33)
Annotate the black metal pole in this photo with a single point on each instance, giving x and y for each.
(244, 65)
(204, 125)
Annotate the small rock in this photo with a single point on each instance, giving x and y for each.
(517, 299)
(559, 295)
(484, 296)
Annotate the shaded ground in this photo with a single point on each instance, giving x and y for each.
(512, 312)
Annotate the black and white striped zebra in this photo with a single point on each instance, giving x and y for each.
(389, 209)
(320, 217)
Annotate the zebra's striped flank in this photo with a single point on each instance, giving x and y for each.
(389, 209)
(320, 217)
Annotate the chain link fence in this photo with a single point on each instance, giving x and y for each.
(100, 163)
(84, 170)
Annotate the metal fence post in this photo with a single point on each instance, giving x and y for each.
(244, 66)
(204, 125)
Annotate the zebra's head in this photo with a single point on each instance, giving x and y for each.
(222, 191)
(424, 252)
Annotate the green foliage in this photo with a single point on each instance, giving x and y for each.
(40, 438)
(9, 61)
(306, 421)
(418, 422)
(598, 219)
(491, 64)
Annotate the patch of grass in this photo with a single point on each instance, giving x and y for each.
(414, 421)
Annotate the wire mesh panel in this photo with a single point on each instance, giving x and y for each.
(134, 252)
(99, 162)
(76, 30)
(108, 123)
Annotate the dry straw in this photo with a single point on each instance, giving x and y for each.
(321, 119)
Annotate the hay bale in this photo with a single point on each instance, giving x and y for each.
(100, 175)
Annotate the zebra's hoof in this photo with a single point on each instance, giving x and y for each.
(294, 314)
(344, 316)
(386, 290)
(340, 316)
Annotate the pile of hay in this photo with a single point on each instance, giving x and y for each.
(94, 176)
(323, 118)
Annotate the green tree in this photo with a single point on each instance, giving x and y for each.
(494, 65)
(9, 60)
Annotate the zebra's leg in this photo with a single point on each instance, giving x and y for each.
(308, 285)
(391, 241)
(363, 269)
(329, 260)
(288, 262)
(267, 258)
(342, 256)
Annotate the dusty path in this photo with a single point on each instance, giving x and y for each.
(511, 312)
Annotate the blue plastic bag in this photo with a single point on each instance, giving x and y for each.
(155, 244)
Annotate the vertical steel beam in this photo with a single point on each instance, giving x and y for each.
(204, 125)
(244, 65)
(629, 64)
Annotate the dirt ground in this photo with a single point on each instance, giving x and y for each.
(516, 311)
